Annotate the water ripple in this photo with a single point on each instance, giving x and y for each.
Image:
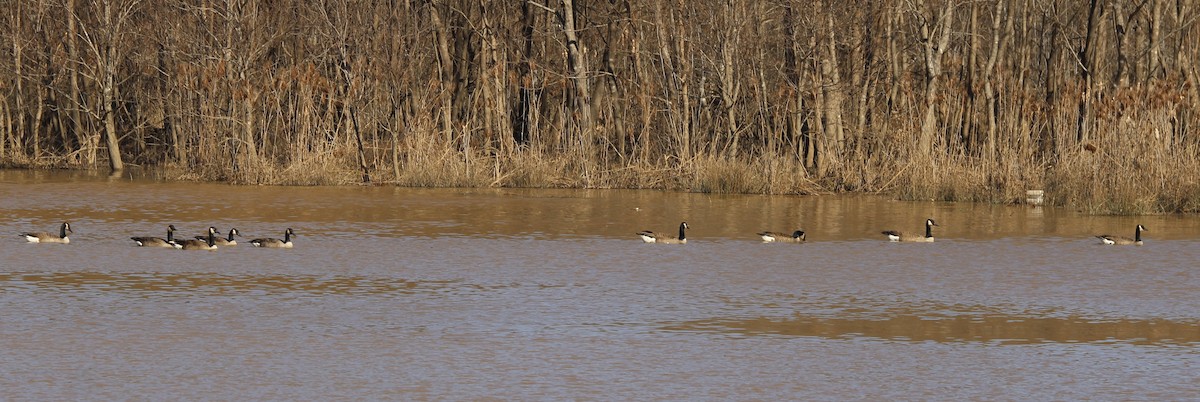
(208, 284)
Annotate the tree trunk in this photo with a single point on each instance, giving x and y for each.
(523, 112)
(110, 128)
(970, 136)
(686, 68)
(678, 69)
(1087, 57)
(1121, 26)
(494, 70)
(19, 77)
(398, 123)
(612, 106)
(935, 47)
(577, 64)
(989, 92)
(893, 59)
(36, 127)
(643, 79)
(818, 135)
(449, 83)
(352, 113)
(115, 164)
(863, 56)
(5, 126)
(730, 89)
(1156, 65)
(795, 62)
(831, 80)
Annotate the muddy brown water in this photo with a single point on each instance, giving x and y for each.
(397, 293)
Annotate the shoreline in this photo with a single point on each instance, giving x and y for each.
(1069, 188)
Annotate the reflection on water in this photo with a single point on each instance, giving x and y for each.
(193, 284)
(943, 324)
(998, 329)
(396, 293)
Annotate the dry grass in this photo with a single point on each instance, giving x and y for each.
(1124, 178)
(1116, 180)
(1127, 181)
(1135, 163)
(756, 176)
(960, 178)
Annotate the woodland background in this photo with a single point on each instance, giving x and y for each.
(1093, 101)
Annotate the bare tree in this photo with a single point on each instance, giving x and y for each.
(989, 89)
(104, 40)
(580, 76)
(935, 39)
(1087, 65)
(76, 101)
(834, 143)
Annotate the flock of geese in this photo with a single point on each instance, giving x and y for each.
(208, 242)
(798, 236)
(212, 240)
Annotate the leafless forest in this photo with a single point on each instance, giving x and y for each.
(1093, 101)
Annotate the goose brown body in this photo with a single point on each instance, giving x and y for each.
(1122, 240)
(779, 237)
(898, 236)
(224, 241)
(658, 238)
(150, 241)
(194, 244)
(44, 237)
(272, 242)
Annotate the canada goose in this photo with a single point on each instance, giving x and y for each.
(796, 237)
(1122, 240)
(221, 241)
(43, 237)
(905, 237)
(271, 242)
(193, 244)
(148, 241)
(651, 237)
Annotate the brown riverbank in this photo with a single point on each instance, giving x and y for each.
(1095, 181)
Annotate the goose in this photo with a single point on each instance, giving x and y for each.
(271, 242)
(651, 237)
(148, 241)
(1122, 240)
(222, 241)
(906, 237)
(43, 237)
(193, 244)
(796, 237)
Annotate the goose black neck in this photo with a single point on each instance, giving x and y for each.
(928, 230)
(287, 236)
(62, 231)
(212, 238)
(1137, 235)
(230, 235)
(681, 228)
(170, 235)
